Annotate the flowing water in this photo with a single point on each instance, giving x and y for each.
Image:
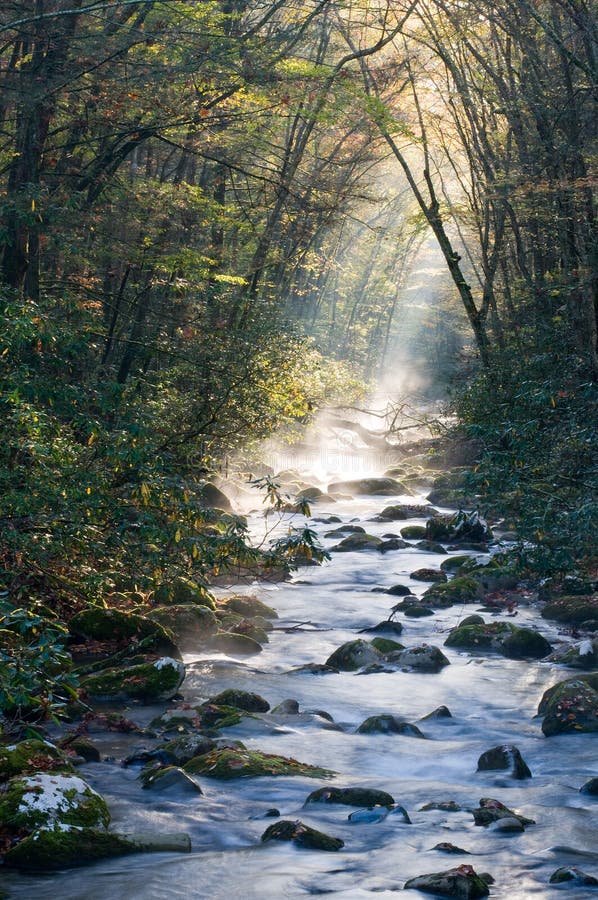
(492, 700)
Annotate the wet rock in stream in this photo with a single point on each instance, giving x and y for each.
(353, 655)
(491, 810)
(462, 882)
(302, 835)
(571, 706)
(228, 763)
(573, 876)
(505, 756)
(354, 796)
(388, 724)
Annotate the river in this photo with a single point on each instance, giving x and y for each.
(492, 700)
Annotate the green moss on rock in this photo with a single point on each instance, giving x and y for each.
(353, 655)
(113, 625)
(180, 591)
(190, 623)
(386, 645)
(234, 644)
(461, 589)
(226, 764)
(48, 801)
(30, 756)
(151, 681)
(572, 610)
(248, 606)
(571, 706)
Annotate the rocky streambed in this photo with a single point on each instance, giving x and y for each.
(406, 717)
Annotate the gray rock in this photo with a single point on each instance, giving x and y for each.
(461, 882)
(353, 655)
(574, 875)
(505, 756)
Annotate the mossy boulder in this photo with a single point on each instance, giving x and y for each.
(461, 589)
(387, 626)
(388, 724)
(210, 495)
(150, 682)
(386, 645)
(427, 546)
(462, 526)
(250, 628)
(425, 658)
(47, 800)
(505, 756)
(357, 542)
(234, 644)
(228, 763)
(583, 655)
(239, 699)
(190, 623)
(46, 850)
(354, 655)
(478, 637)
(247, 606)
(400, 511)
(500, 637)
(117, 629)
(179, 591)
(185, 747)
(81, 747)
(572, 610)
(434, 575)
(302, 835)
(164, 778)
(413, 532)
(210, 716)
(454, 563)
(361, 797)
(525, 643)
(365, 486)
(571, 706)
(30, 756)
(462, 882)
(417, 611)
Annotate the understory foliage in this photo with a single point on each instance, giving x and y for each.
(535, 419)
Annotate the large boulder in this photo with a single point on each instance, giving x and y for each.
(460, 527)
(49, 801)
(571, 706)
(425, 658)
(362, 486)
(212, 496)
(245, 700)
(572, 610)
(353, 655)
(191, 624)
(500, 637)
(117, 629)
(461, 589)
(401, 511)
(247, 606)
(150, 682)
(180, 590)
(358, 542)
(49, 850)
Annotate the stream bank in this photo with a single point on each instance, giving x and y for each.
(433, 775)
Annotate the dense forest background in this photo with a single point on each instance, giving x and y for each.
(210, 216)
